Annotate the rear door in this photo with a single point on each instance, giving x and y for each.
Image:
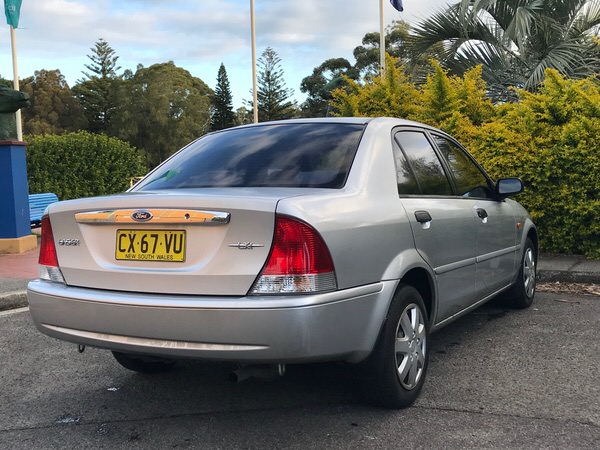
(496, 226)
(443, 226)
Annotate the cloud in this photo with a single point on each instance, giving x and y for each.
(198, 35)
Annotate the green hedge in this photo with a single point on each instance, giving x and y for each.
(81, 164)
(551, 140)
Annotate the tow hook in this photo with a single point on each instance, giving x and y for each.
(80, 348)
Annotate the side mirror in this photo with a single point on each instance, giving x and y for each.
(505, 187)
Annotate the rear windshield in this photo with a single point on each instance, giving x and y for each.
(284, 155)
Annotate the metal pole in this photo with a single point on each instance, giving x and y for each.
(13, 43)
(254, 91)
(381, 41)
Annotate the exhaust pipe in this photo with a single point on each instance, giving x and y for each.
(262, 371)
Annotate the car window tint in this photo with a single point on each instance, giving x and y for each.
(424, 162)
(469, 180)
(283, 155)
(405, 178)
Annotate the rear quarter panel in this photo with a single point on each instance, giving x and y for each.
(364, 224)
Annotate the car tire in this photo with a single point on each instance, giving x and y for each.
(144, 364)
(396, 369)
(521, 294)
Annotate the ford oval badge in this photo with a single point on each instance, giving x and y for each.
(141, 215)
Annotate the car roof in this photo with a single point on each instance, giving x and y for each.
(391, 121)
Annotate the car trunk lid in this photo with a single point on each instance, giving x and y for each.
(200, 243)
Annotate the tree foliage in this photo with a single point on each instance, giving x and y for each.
(334, 73)
(550, 139)
(166, 108)
(81, 164)
(222, 115)
(391, 96)
(156, 109)
(447, 100)
(514, 40)
(272, 95)
(243, 116)
(367, 55)
(97, 91)
(327, 77)
(54, 109)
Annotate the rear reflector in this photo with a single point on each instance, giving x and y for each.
(299, 261)
(48, 260)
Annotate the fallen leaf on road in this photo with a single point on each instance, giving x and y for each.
(571, 288)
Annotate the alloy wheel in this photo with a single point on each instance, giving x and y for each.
(410, 346)
(529, 272)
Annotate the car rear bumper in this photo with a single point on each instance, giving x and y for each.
(341, 325)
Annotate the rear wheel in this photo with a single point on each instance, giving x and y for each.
(521, 294)
(144, 364)
(395, 371)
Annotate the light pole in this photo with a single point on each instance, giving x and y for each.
(254, 91)
(381, 41)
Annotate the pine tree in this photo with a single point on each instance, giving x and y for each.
(273, 97)
(97, 91)
(222, 115)
(104, 61)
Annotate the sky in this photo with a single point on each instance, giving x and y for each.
(197, 35)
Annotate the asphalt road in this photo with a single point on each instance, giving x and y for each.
(497, 379)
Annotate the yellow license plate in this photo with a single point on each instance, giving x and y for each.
(150, 245)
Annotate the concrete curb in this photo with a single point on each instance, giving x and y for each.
(568, 269)
(13, 300)
(568, 277)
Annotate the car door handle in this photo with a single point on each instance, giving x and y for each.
(422, 216)
(482, 213)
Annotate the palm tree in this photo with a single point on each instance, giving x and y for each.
(514, 40)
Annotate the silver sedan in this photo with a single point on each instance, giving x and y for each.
(288, 242)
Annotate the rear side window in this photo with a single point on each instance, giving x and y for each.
(422, 164)
(283, 155)
(469, 179)
(405, 178)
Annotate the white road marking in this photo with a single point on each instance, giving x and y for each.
(14, 311)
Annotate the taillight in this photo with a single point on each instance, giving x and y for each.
(47, 248)
(299, 261)
(48, 260)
